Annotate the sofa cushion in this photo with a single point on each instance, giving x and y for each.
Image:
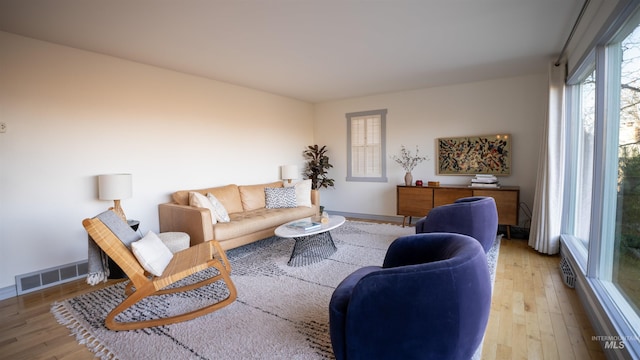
(198, 200)
(252, 196)
(228, 195)
(181, 197)
(253, 221)
(278, 198)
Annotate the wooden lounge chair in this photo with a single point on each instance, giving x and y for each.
(142, 284)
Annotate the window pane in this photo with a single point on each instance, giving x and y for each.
(373, 131)
(626, 262)
(584, 165)
(357, 132)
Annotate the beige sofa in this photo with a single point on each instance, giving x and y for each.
(246, 206)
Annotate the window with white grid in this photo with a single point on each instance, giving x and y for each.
(366, 146)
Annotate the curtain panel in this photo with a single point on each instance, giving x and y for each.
(546, 217)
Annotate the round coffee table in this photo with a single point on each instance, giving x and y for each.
(313, 245)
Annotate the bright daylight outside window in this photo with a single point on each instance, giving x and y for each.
(365, 134)
(626, 261)
(584, 163)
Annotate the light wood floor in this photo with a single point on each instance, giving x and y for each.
(533, 316)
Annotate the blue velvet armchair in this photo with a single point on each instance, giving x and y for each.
(474, 216)
(429, 300)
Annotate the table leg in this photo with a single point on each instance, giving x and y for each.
(311, 249)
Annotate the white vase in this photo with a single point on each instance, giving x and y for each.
(408, 178)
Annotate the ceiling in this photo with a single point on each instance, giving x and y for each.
(312, 50)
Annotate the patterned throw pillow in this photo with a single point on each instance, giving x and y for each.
(221, 213)
(278, 198)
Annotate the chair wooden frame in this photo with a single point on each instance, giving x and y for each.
(142, 284)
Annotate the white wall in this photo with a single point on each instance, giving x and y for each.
(510, 105)
(72, 115)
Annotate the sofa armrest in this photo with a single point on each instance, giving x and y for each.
(183, 218)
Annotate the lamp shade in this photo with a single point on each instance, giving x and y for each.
(114, 186)
(289, 172)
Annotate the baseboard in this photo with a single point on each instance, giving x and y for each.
(382, 218)
(8, 292)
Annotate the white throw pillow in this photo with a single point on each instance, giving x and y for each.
(303, 193)
(198, 200)
(221, 213)
(152, 253)
(279, 198)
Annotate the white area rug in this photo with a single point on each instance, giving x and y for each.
(281, 311)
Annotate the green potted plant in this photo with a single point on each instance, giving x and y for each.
(316, 168)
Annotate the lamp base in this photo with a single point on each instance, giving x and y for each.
(118, 210)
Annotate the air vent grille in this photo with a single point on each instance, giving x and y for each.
(566, 270)
(42, 279)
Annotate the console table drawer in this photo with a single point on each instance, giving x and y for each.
(443, 196)
(507, 203)
(414, 200)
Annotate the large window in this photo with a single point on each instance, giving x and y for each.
(626, 246)
(366, 146)
(603, 214)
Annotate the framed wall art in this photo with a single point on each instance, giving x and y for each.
(490, 154)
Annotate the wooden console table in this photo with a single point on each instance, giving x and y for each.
(419, 200)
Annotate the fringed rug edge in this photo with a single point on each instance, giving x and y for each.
(84, 337)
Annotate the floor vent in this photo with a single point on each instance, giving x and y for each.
(566, 270)
(42, 279)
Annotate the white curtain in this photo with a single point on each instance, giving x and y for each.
(547, 205)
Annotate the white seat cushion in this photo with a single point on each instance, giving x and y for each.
(175, 241)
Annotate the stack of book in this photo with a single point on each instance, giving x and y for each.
(305, 225)
(485, 181)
